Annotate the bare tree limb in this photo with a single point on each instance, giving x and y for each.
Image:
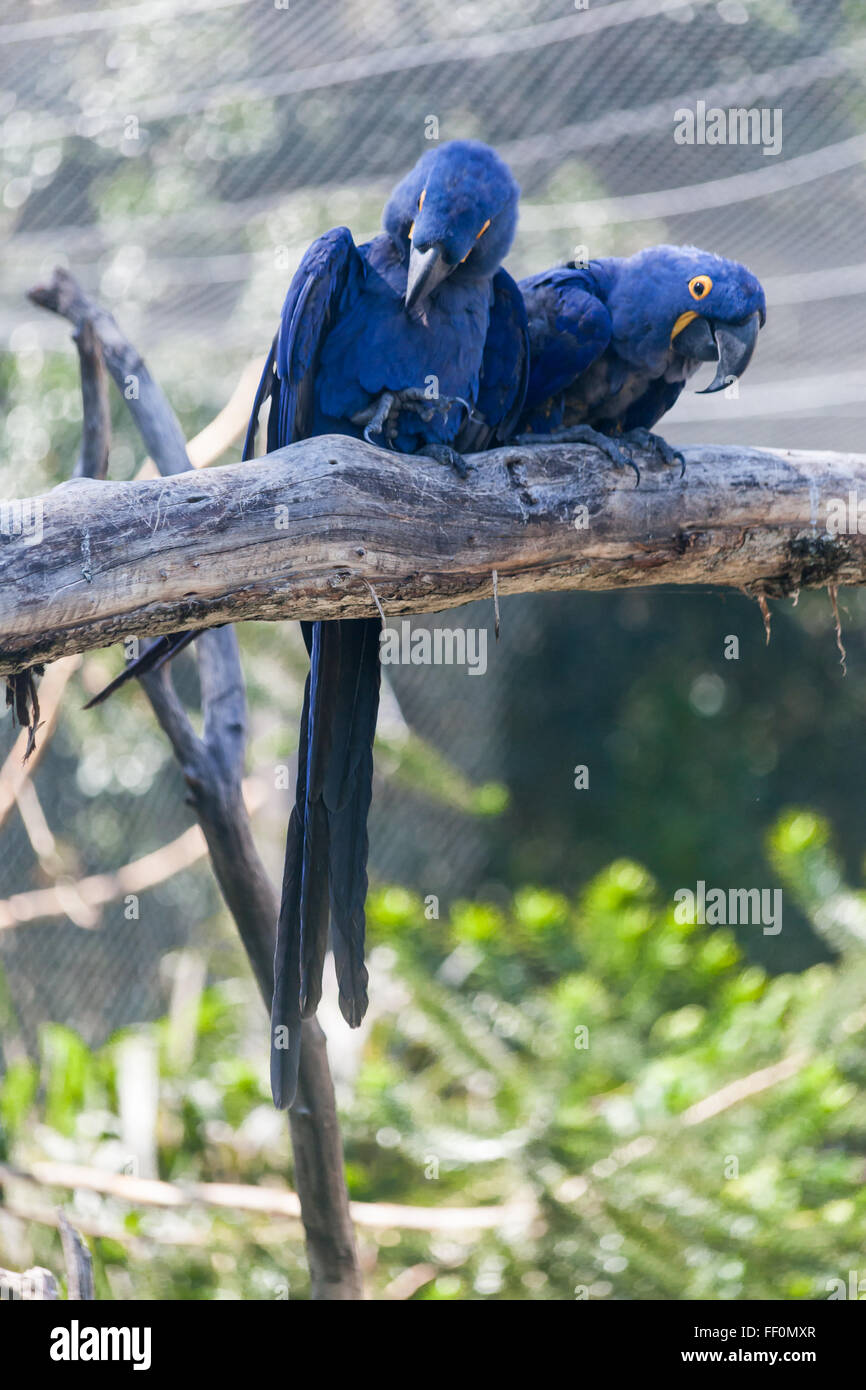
(35, 1285)
(212, 767)
(96, 415)
(225, 429)
(83, 899)
(267, 1201)
(305, 531)
(263, 1201)
(79, 1261)
(156, 421)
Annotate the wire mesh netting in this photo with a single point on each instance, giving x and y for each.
(179, 157)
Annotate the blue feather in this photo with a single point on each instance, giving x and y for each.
(603, 339)
(345, 338)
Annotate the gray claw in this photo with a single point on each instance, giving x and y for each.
(443, 453)
(666, 452)
(584, 434)
(375, 418)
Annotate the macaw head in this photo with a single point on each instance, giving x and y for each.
(456, 211)
(702, 306)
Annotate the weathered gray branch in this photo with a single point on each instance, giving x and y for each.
(96, 414)
(154, 417)
(79, 1261)
(40, 1285)
(34, 1285)
(212, 766)
(306, 531)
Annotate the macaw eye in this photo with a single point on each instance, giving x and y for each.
(477, 238)
(700, 286)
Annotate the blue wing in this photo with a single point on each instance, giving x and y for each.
(569, 329)
(324, 875)
(504, 370)
(330, 267)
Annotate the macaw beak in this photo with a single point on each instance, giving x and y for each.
(736, 343)
(730, 344)
(427, 269)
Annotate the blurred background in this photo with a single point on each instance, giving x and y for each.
(704, 1136)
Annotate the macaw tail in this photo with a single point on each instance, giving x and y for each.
(160, 651)
(325, 871)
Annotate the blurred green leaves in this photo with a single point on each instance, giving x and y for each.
(682, 1124)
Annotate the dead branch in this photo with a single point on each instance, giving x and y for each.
(35, 1285)
(212, 767)
(306, 531)
(225, 429)
(96, 415)
(82, 899)
(262, 1201)
(152, 1192)
(154, 417)
(79, 1261)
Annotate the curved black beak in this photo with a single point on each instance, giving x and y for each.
(735, 343)
(427, 269)
(696, 341)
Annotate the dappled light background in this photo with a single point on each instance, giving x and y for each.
(178, 158)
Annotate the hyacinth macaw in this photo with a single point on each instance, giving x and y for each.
(364, 331)
(416, 340)
(613, 344)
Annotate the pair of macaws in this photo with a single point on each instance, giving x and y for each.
(596, 354)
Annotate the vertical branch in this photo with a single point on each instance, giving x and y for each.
(212, 767)
(79, 1261)
(96, 416)
(155, 420)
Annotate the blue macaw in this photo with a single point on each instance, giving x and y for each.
(365, 331)
(417, 340)
(613, 344)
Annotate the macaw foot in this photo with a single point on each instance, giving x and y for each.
(416, 398)
(375, 418)
(381, 419)
(443, 453)
(645, 439)
(583, 434)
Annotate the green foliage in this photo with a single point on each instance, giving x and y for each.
(660, 1117)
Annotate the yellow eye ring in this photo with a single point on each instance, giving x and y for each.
(483, 230)
(700, 286)
(421, 199)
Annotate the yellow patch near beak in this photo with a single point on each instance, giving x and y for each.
(683, 321)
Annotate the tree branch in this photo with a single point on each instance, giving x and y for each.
(154, 417)
(96, 415)
(305, 531)
(79, 1261)
(212, 767)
